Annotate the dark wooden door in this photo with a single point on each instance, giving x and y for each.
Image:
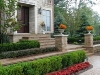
(24, 17)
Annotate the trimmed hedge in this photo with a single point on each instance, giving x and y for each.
(20, 53)
(74, 39)
(19, 45)
(96, 38)
(45, 65)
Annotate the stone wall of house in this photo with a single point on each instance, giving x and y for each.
(41, 4)
(32, 19)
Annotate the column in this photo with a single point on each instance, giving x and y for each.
(61, 42)
(88, 40)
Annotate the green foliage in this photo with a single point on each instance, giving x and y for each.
(19, 46)
(45, 65)
(8, 8)
(74, 39)
(20, 53)
(57, 1)
(4, 38)
(82, 29)
(15, 70)
(76, 43)
(96, 38)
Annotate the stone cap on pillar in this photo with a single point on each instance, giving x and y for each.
(88, 34)
(61, 35)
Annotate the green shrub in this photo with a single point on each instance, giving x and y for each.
(96, 38)
(15, 70)
(45, 65)
(76, 43)
(34, 51)
(4, 38)
(19, 46)
(74, 39)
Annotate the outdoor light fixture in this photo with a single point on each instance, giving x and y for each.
(39, 10)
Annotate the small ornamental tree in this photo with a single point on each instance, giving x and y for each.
(8, 17)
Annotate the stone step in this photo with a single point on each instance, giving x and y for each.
(40, 36)
(36, 36)
(47, 43)
(44, 46)
(46, 40)
(89, 53)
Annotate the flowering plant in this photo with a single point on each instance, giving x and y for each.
(89, 27)
(72, 69)
(42, 24)
(62, 26)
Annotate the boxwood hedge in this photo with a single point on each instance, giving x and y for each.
(19, 45)
(45, 65)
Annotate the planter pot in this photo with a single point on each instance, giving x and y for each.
(43, 30)
(89, 31)
(61, 31)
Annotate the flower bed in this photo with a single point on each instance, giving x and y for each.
(72, 70)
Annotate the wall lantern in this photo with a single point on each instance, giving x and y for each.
(39, 10)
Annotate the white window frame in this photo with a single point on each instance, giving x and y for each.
(46, 21)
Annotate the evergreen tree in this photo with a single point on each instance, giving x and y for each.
(82, 28)
(57, 22)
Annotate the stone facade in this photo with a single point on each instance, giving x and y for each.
(35, 18)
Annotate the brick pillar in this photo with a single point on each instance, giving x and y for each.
(88, 40)
(61, 42)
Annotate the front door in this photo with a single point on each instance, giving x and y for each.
(23, 15)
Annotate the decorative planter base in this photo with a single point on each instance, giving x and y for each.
(61, 31)
(89, 31)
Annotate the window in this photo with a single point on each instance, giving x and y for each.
(47, 19)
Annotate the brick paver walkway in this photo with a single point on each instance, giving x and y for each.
(95, 61)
